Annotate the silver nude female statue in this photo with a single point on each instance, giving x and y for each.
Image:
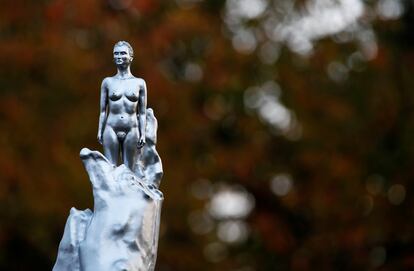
(123, 110)
(121, 233)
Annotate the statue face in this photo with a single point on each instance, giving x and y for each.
(122, 56)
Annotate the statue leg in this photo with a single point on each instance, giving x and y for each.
(111, 145)
(130, 150)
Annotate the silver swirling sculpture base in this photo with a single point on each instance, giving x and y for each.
(121, 234)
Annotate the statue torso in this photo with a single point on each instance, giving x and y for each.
(123, 96)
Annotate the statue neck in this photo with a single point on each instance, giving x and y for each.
(124, 73)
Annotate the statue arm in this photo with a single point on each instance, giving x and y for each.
(142, 112)
(103, 105)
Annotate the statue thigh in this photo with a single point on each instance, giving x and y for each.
(130, 149)
(111, 145)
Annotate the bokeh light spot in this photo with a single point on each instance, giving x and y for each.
(244, 41)
(375, 184)
(269, 53)
(396, 194)
(215, 252)
(193, 72)
(231, 202)
(366, 204)
(248, 9)
(390, 9)
(337, 71)
(232, 231)
(281, 184)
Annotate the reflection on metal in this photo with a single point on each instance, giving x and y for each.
(150, 165)
(122, 231)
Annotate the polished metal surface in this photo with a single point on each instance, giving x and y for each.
(123, 105)
(150, 162)
(122, 231)
(121, 234)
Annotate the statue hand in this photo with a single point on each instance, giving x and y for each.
(141, 142)
(100, 138)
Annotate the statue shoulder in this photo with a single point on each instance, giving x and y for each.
(106, 81)
(140, 81)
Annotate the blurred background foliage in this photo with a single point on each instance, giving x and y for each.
(285, 127)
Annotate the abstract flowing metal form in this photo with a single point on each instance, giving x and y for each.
(121, 233)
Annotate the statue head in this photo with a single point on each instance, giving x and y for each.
(123, 54)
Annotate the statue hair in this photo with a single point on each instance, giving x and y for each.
(121, 43)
